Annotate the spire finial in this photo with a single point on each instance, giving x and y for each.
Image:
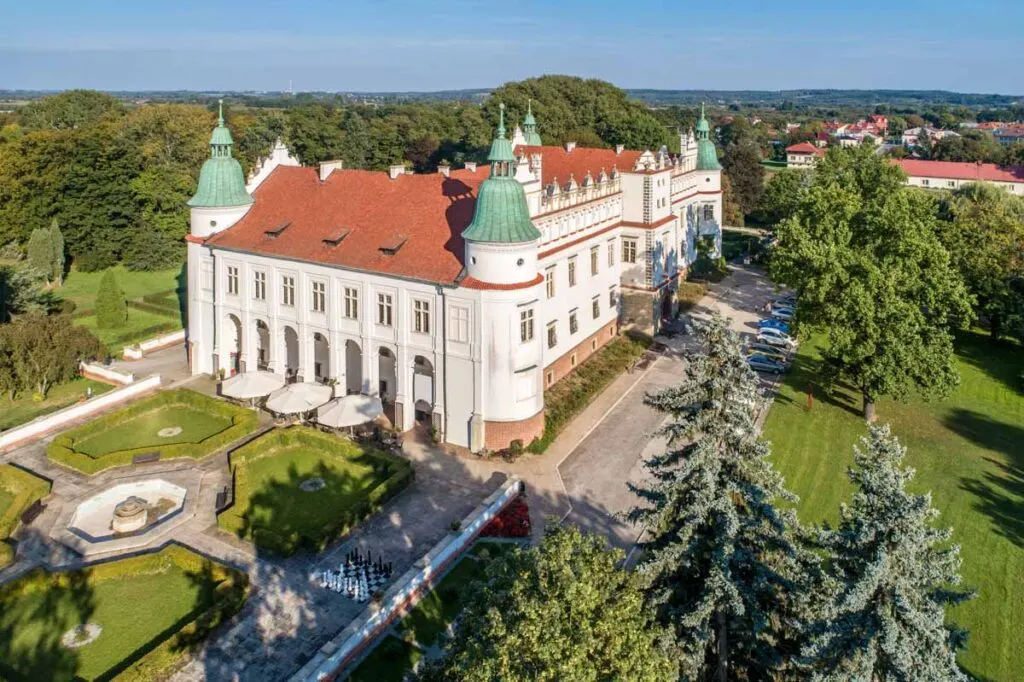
(220, 112)
(501, 120)
(529, 106)
(702, 109)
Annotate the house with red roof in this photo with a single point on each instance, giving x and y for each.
(951, 175)
(803, 155)
(456, 297)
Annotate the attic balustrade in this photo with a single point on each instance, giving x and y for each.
(567, 198)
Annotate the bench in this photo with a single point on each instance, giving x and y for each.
(146, 457)
(33, 512)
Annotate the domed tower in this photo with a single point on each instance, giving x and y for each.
(709, 182)
(707, 157)
(530, 126)
(221, 199)
(501, 264)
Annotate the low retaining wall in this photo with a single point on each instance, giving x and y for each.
(139, 351)
(105, 374)
(37, 428)
(341, 651)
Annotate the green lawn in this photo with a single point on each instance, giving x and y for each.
(81, 287)
(141, 431)
(23, 409)
(390, 661)
(968, 451)
(138, 603)
(6, 499)
(141, 325)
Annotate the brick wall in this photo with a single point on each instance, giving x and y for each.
(583, 350)
(498, 435)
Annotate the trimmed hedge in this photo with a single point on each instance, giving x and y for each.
(573, 392)
(168, 648)
(27, 488)
(146, 333)
(243, 422)
(152, 308)
(398, 471)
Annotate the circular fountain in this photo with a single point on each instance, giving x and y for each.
(126, 509)
(130, 515)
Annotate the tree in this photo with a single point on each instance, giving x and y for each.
(722, 569)
(45, 350)
(983, 230)
(891, 577)
(779, 200)
(57, 251)
(732, 214)
(40, 253)
(111, 308)
(742, 163)
(864, 256)
(563, 611)
(22, 291)
(69, 110)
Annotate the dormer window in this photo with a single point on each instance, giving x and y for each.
(390, 248)
(276, 232)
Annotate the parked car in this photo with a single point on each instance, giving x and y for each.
(786, 297)
(775, 337)
(774, 352)
(762, 363)
(782, 313)
(774, 324)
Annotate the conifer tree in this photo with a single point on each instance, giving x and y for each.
(40, 252)
(57, 252)
(111, 309)
(722, 568)
(892, 575)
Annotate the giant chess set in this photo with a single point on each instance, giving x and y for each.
(357, 578)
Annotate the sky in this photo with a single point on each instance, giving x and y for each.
(377, 45)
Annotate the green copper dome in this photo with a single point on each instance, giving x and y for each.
(501, 213)
(530, 126)
(221, 181)
(707, 155)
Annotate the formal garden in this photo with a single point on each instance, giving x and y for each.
(299, 489)
(170, 424)
(132, 619)
(968, 450)
(19, 490)
(25, 408)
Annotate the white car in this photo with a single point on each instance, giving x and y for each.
(774, 337)
(783, 312)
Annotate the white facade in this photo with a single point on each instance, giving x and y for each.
(476, 353)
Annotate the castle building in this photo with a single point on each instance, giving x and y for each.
(458, 296)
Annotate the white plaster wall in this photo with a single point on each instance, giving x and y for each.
(512, 369)
(502, 263)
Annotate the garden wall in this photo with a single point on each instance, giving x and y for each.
(149, 345)
(90, 370)
(45, 425)
(406, 591)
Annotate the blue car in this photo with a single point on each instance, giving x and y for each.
(773, 323)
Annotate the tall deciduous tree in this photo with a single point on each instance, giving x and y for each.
(742, 163)
(560, 612)
(111, 307)
(722, 569)
(781, 193)
(864, 256)
(44, 350)
(892, 576)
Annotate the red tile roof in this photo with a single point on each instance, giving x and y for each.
(805, 148)
(954, 170)
(560, 164)
(425, 214)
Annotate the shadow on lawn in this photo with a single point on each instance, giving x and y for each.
(804, 377)
(998, 495)
(999, 359)
(61, 603)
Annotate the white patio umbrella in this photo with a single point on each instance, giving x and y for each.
(350, 410)
(298, 398)
(249, 385)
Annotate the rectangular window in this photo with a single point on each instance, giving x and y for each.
(232, 280)
(549, 282)
(206, 268)
(459, 331)
(288, 291)
(259, 285)
(593, 259)
(572, 271)
(421, 316)
(552, 334)
(612, 298)
(319, 297)
(351, 303)
(526, 325)
(595, 307)
(574, 325)
(709, 211)
(629, 249)
(924, 183)
(611, 253)
(384, 309)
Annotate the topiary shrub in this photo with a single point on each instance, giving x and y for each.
(111, 307)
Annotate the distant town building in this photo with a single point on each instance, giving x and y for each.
(803, 155)
(1009, 135)
(912, 136)
(950, 175)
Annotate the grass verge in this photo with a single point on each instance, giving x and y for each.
(24, 409)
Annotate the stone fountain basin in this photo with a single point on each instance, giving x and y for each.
(93, 518)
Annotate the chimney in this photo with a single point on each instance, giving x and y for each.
(471, 166)
(444, 169)
(396, 170)
(569, 146)
(328, 167)
(619, 148)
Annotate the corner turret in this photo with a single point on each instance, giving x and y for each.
(707, 156)
(221, 192)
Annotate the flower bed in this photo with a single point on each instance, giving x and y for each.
(512, 522)
(237, 421)
(18, 491)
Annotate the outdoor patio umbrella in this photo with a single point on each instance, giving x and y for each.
(249, 385)
(298, 398)
(350, 410)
